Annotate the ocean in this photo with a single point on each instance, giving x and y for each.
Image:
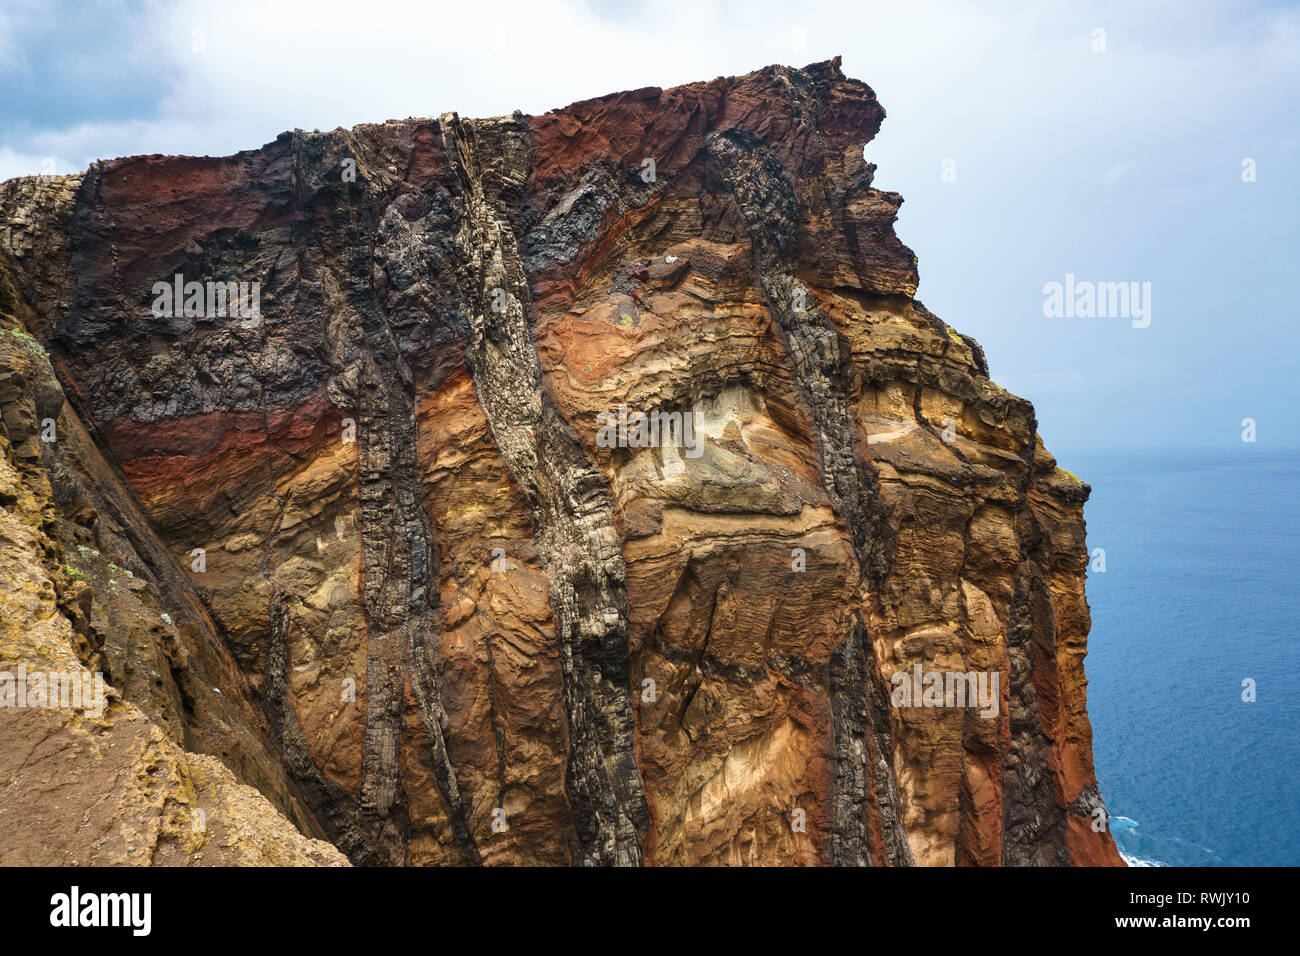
(1199, 594)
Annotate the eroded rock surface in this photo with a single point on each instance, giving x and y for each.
(390, 588)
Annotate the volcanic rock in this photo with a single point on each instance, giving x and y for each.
(356, 568)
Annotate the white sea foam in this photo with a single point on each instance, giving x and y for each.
(1138, 861)
(1120, 823)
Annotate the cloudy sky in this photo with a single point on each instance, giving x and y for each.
(1101, 140)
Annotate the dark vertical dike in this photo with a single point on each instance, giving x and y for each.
(396, 536)
(396, 542)
(387, 588)
(572, 510)
(1033, 827)
(862, 743)
(849, 678)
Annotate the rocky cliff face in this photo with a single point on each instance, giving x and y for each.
(367, 567)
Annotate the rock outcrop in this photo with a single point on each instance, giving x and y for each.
(369, 564)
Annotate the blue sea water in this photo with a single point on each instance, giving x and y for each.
(1199, 593)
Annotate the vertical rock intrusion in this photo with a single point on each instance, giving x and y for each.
(1032, 834)
(402, 626)
(572, 510)
(398, 558)
(767, 200)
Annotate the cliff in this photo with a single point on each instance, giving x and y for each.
(373, 563)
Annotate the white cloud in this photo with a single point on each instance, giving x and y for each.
(978, 79)
(29, 164)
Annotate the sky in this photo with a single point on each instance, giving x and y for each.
(1112, 142)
